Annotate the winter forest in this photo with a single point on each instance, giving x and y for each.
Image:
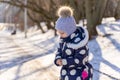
(29, 38)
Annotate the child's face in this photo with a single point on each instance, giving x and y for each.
(61, 34)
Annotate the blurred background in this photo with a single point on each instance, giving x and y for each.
(28, 38)
(13, 12)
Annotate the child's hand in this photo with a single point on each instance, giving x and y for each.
(59, 62)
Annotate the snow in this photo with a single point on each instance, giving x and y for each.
(108, 20)
(105, 51)
(32, 58)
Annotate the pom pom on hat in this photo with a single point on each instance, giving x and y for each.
(66, 21)
(65, 11)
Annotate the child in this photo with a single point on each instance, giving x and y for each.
(72, 53)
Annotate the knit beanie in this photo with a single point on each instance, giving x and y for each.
(66, 21)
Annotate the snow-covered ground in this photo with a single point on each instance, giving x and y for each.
(105, 51)
(32, 58)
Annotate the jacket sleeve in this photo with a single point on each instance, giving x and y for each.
(58, 54)
(79, 59)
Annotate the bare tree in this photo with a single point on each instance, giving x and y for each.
(42, 10)
(35, 8)
(94, 13)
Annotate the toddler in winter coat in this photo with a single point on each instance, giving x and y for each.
(72, 52)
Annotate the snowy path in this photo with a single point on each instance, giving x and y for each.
(20, 60)
(105, 51)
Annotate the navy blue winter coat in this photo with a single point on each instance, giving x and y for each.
(73, 51)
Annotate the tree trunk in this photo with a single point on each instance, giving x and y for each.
(99, 11)
(89, 12)
(117, 11)
(94, 15)
(38, 24)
